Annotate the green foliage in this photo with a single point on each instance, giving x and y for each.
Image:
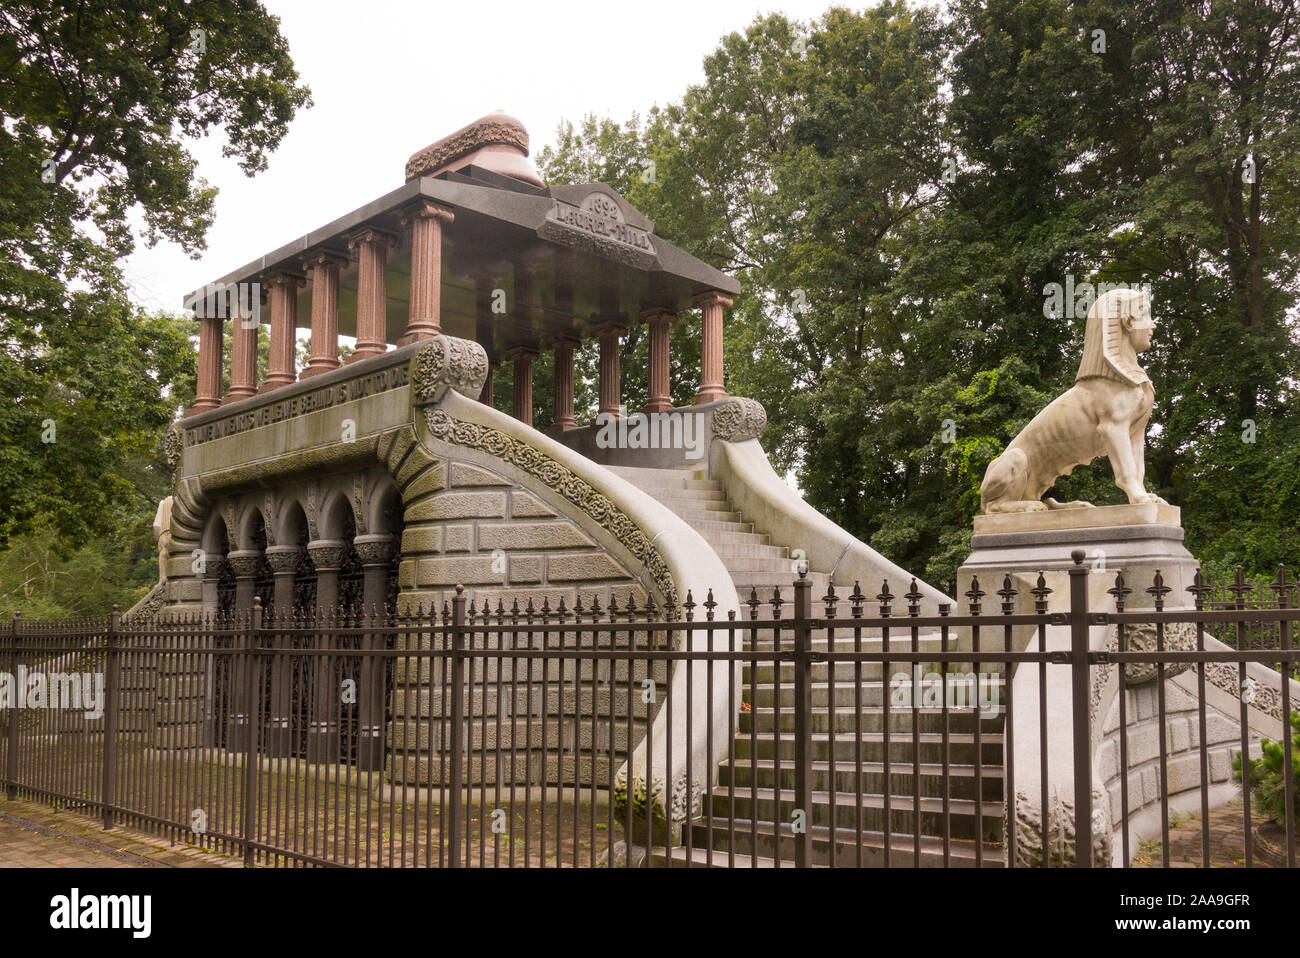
(896, 188)
(44, 582)
(1268, 775)
(94, 102)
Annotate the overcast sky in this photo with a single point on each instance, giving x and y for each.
(391, 76)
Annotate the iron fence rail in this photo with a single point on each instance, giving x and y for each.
(495, 738)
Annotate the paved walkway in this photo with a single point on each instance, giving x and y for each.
(1227, 844)
(36, 836)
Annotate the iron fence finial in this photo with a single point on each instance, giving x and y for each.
(1008, 594)
(1040, 592)
(1281, 588)
(1158, 590)
(1199, 589)
(914, 597)
(1120, 591)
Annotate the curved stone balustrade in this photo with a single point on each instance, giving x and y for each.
(670, 557)
(763, 498)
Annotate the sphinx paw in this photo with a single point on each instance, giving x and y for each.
(1151, 497)
(1073, 504)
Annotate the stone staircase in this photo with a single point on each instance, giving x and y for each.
(747, 816)
(754, 563)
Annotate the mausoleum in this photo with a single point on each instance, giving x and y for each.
(381, 487)
(381, 483)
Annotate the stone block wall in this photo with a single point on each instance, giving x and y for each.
(467, 525)
(1182, 739)
(474, 528)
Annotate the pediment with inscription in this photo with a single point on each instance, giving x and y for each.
(600, 221)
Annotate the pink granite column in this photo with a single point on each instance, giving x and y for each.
(426, 219)
(208, 392)
(522, 408)
(284, 288)
(563, 349)
(243, 353)
(711, 305)
(610, 387)
(659, 321)
(324, 355)
(372, 291)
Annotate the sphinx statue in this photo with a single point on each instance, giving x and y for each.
(1105, 413)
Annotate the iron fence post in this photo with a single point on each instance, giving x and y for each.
(803, 720)
(11, 750)
(1079, 695)
(252, 704)
(112, 682)
(457, 725)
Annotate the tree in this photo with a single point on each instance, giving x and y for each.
(96, 101)
(1214, 98)
(899, 189)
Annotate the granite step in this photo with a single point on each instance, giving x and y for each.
(721, 538)
(870, 745)
(769, 841)
(749, 551)
(679, 856)
(708, 502)
(646, 474)
(706, 514)
(850, 777)
(843, 809)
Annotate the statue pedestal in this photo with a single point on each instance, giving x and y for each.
(1137, 540)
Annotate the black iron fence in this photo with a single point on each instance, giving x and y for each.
(839, 730)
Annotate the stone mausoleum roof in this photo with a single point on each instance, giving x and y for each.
(572, 258)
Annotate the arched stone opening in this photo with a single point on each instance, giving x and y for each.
(254, 577)
(391, 522)
(219, 601)
(304, 570)
(286, 701)
(319, 554)
(218, 574)
(352, 605)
